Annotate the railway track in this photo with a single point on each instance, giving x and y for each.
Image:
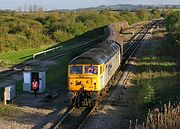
(76, 117)
(136, 42)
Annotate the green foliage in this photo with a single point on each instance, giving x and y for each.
(129, 17)
(149, 92)
(10, 58)
(165, 13)
(173, 22)
(21, 33)
(173, 27)
(158, 76)
(156, 13)
(26, 31)
(142, 14)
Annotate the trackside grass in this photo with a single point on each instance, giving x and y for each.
(8, 110)
(9, 58)
(157, 78)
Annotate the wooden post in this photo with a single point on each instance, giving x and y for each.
(5, 97)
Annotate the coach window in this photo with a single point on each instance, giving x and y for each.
(75, 69)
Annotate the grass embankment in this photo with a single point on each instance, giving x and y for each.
(32, 31)
(157, 79)
(8, 59)
(8, 110)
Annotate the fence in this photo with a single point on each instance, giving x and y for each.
(46, 51)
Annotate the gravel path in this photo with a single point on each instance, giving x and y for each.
(34, 112)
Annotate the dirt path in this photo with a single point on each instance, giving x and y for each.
(34, 112)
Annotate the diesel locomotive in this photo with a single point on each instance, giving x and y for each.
(89, 73)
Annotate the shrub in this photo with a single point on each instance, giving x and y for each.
(166, 118)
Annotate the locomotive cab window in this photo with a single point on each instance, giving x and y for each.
(75, 69)
(91, 69)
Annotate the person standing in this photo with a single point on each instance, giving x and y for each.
(35, 87)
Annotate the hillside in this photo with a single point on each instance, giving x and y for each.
(36, 31)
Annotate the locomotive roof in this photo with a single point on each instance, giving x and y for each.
(98, 55)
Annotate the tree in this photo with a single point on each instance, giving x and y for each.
(142, 14)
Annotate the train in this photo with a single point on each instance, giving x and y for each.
(90, 72)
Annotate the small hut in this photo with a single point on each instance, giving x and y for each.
(39, 75)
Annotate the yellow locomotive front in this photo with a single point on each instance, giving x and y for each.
(83, 77)
(89, 72)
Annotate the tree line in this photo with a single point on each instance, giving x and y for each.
(20, 31)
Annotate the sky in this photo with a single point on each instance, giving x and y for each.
(74, 4)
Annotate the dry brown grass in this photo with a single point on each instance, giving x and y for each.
(167, 118)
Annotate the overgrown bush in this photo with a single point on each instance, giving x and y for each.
(20, 31)
(168, 117)
(173, 27)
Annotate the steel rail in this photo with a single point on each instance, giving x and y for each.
(57, 124)
(69, 121)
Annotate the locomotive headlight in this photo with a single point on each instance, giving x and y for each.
(94, 82)
(87, 81)
(71, 82)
